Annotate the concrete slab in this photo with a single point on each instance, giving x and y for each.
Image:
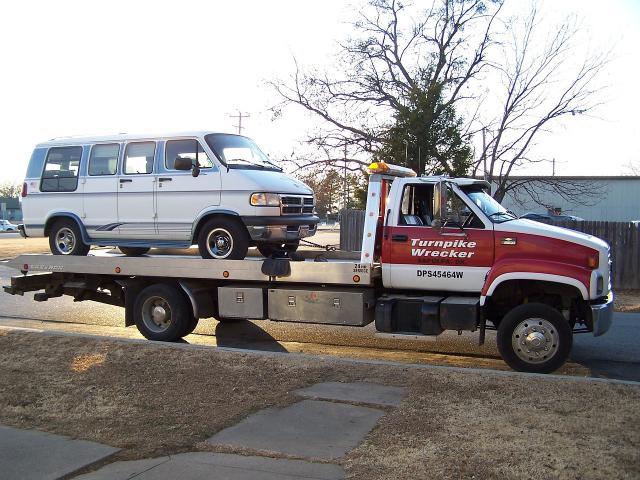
(355, 392)
(201, 465)
(310, 429)
(29, 454)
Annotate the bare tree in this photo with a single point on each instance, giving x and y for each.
(396, 62)
(10, 189)
(541, 82)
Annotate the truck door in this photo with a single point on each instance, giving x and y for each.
(136, 206)
(454, 257)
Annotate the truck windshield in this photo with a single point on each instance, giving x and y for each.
(496, 212)
(239, 152)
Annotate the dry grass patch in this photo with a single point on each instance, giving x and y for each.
(12, 247)
(153, 400)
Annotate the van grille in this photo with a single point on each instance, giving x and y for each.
(297, 205)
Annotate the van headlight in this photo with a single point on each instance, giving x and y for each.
(265, 200)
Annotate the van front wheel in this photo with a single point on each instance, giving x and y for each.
(223, 239)
(65, 238)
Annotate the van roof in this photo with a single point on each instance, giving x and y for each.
(121, 137)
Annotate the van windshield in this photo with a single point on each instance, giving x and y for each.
(239, 152)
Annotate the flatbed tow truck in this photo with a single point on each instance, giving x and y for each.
(437, 254)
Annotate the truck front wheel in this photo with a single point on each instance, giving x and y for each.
(162, 313)
(534, 337)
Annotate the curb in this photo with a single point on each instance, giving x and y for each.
(343, 360)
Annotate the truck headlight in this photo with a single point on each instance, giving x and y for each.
(265, 200)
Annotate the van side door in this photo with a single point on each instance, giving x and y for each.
(100, 194)
(180, 197)
(418, 255)
(136, 181)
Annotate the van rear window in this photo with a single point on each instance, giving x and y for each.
(61, 169)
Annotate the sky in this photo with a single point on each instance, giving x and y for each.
(84, 68)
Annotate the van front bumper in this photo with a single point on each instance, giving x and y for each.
(282, 228)
(602, 315)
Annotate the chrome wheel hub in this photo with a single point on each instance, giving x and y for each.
(156, 314)
(65, 240)
(219, 243)
(535, 340)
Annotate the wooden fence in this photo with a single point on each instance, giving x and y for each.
(623, 237)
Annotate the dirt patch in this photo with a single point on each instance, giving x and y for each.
(627, 300)
(12, 247)
(153, 400)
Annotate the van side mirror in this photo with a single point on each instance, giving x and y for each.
(181, 163)
(439, 204)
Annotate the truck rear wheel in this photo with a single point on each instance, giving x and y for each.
(161, 312)
(534, 337)
(223, 238)
(65, 238)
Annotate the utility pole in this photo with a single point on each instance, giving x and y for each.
(553, 168)
(240, 116)
(344, 205)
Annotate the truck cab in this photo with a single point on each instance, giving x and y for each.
(449, 236)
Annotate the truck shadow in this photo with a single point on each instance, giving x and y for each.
(246, 335)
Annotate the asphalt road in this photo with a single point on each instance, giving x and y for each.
(614, 355)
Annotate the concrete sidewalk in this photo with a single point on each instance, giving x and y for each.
(313, 432)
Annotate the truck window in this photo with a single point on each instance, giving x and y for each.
(104, 159)
(456, 210)
(417, 205)
(61, 169)
(187, 148)
(138, 158)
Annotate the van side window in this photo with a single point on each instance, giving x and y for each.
(185, 149)
(61, 169)
(138, 158)
(104, 159)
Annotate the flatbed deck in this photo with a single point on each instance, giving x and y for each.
(330, 272)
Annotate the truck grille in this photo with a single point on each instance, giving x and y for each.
(297, 205)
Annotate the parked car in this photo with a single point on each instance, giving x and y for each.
(216, 190)
(548, 217)
(7, 226)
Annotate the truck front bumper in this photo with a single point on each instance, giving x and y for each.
(602, 316)
(280, 229)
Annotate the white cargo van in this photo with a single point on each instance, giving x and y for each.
(140, 191)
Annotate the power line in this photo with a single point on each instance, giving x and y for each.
(240, 116)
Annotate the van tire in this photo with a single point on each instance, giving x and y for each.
(550, 334)
(155, 301)
(133, 251)
(223, 238)
(65, 238)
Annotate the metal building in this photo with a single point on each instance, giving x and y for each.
(609, 198)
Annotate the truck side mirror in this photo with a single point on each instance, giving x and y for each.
(439, 204)
(181, 163)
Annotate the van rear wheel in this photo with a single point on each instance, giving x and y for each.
(65, 238)
(223, 239)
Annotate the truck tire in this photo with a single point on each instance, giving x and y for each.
(534, 337)
(191, 326)
(268, 249)
(223, 238)
(162, 313)
(65, 238)
(133, 251)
